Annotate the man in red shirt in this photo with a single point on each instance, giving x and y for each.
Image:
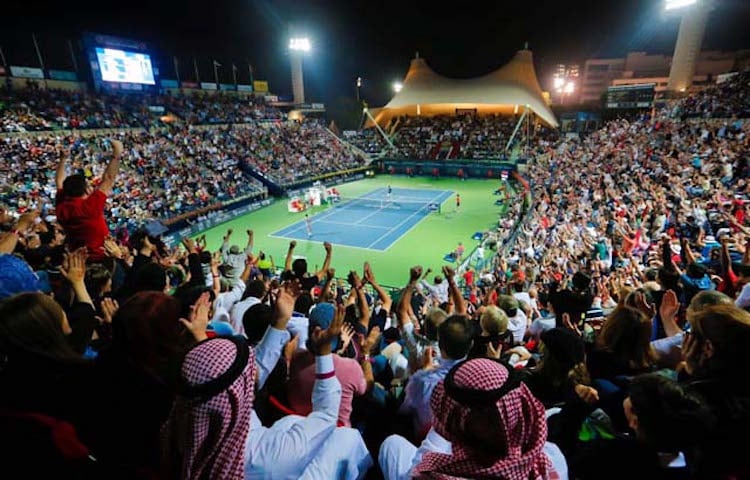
(80, 208)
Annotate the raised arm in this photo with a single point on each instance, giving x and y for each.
(327, 262)
(9, 240)
(687, 253)
(250, 241)
(330, 276)
(110, 173)
(384, 296)
(455, 294)
(60, 172)
(289, 255)
(364, 310)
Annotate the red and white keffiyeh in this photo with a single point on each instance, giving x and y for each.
(523, 426)
(206, 438)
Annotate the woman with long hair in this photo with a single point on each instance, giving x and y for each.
(623, 347)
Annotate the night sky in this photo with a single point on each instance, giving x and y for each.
(374, 40)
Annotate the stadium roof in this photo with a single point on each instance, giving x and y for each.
(506, 90)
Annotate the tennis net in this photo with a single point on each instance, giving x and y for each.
(395, 203)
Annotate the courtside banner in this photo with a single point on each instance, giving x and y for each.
(208, 86)
(190, 85)
(26, 72)
(244, 88)
(260, 86)
(63, 75)
(167, 83)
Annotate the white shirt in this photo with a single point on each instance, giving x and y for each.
(517, 325)
(397, 456)
(238, 312)
(743, 300)
(307, 447)
(225, 301)
(439, 291)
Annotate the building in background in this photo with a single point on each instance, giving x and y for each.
(642, 68)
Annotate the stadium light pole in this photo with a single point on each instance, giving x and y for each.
(298, 46)
(689, 39)
(359, 85)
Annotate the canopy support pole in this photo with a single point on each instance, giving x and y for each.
(515, 131)
(366, 111)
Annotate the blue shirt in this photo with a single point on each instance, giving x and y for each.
(419, 391)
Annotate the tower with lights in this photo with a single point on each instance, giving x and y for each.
(689, 40)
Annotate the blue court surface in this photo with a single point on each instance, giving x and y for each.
(370, 221)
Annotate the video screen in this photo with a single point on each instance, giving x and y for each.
(125, 67)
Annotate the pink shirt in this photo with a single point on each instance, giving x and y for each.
(302, 379)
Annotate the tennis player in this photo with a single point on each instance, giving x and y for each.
(308, 224)
(458, 201)
(388, 194)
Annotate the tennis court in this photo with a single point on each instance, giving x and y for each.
(370, 221)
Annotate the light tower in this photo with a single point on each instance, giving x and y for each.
(689, 40)
(297, 49)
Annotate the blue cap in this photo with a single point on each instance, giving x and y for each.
(16, 277)
(322, 316)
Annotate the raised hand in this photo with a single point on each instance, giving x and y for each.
(112, 248)
(669, 305)
(292, 244)
(368, 343)
(369, 277)
(449, 272)
(26, 221)
(415, 274)
(288, 294)
(74, 266)
(187, 241)
(354, 280)
(347, 333)
(109, 307)
(198, 321)
(117, 147)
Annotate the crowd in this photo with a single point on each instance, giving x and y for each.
(36, 109)
(448, 136)
(369, 140)
(729, 99)
(608, 339)
(166, 172)
(293, 152)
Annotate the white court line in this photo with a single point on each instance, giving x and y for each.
(406, 220)
(449, 192)
(321, 218)
(350, 224)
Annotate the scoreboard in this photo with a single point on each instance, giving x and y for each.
(631, 96)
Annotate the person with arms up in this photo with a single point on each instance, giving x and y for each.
(80, 207)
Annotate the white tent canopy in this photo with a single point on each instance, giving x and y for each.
(506, 90)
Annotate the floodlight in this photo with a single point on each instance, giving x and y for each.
(359, 82)
(675, 4)
(397, 86)
(558, 83)
(569, 87)
(299, 44)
